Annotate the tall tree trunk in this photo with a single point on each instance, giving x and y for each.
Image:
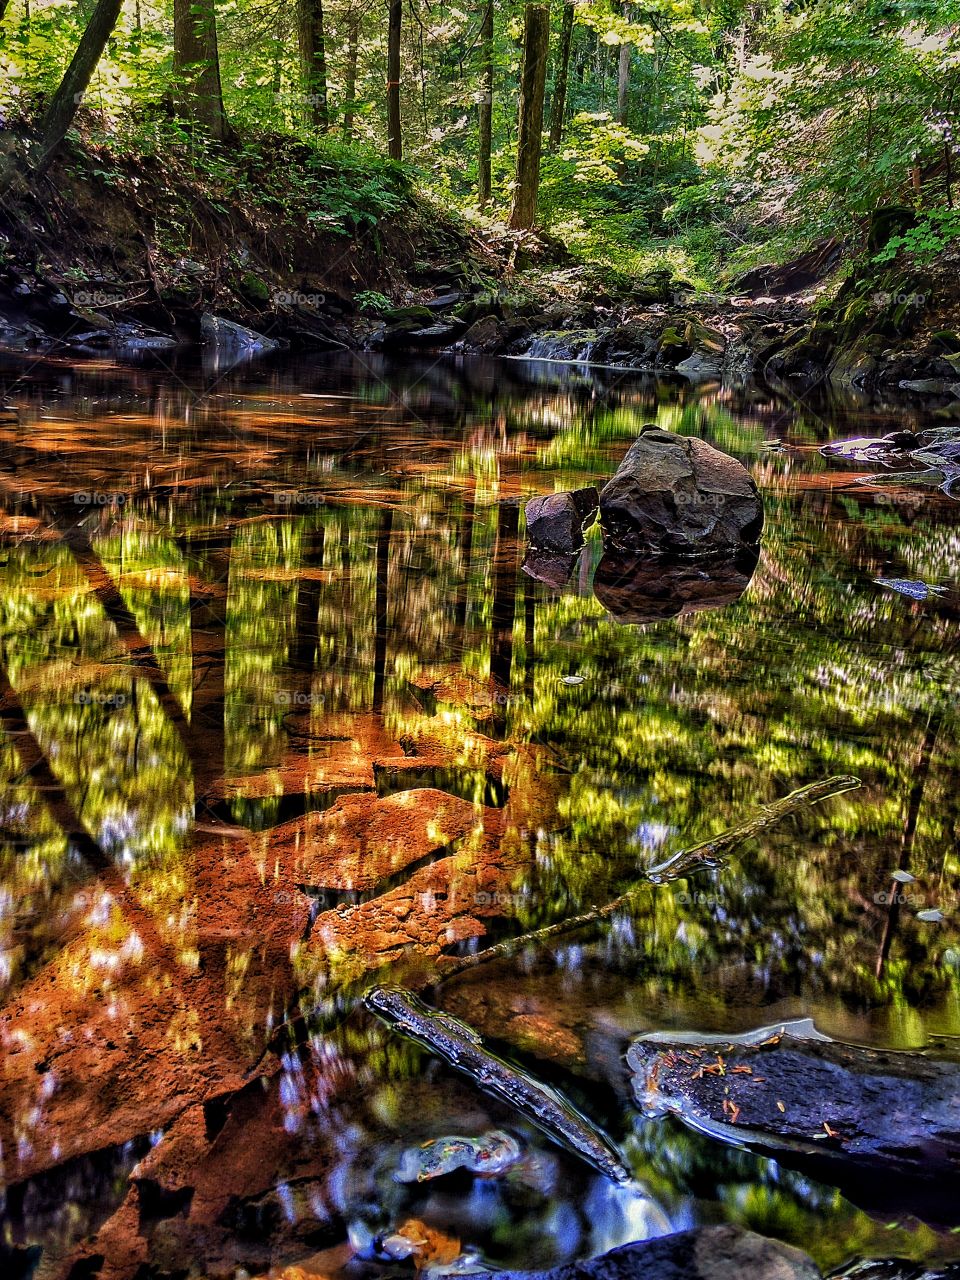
(394, 133)
(485, 146)
(558, 106)
(623, 83)
(63, 106)
(313, 62)
(196, 65)
(350, 78)
(533, 79)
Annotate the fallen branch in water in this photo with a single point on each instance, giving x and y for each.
(463, 1048)
(706, 854)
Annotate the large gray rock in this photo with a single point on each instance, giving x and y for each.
(708, 1253)
(679, 495)
(232, 338)
(556, 521)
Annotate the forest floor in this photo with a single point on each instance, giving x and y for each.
(116, 251)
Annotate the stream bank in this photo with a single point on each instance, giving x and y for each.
(122, 253)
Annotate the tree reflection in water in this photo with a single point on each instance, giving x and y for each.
(281, 711)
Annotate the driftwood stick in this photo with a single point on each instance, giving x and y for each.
(463, 1048)
(706, 854)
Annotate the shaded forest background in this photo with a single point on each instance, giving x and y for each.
(707, 135)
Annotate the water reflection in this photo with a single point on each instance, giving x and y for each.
(280, 708)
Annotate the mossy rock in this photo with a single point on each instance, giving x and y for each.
(947, 340)
(671, 337)
(701, 338)
(405, 315)
(254, 288)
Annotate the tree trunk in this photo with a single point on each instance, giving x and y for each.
(394, 133)
(533, 78)
(196, 65)
(63, 106)
(484, 183)
(350, 78)
(558, 106)
(313, 62)
(623, 83)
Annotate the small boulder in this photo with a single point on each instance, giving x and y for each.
(725, 1252)
(486, 334)
(233, 338)
(677, 494)
(556, 522)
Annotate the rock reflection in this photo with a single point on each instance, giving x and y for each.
(641, 589)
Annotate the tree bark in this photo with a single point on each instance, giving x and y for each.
(350, 77)
(313, 62)
(533, 78)
(558, 106)
(196, 65)
(485, 143)
(623, 83)
(394, 127)
(63, 106)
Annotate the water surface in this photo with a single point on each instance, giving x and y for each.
(282, 715)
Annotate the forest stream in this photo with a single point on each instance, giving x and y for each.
(286, 714)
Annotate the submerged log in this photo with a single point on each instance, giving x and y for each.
(790, 1092)
(463, 1048)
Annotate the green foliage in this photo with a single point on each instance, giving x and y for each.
(370, 301)
(932, 233)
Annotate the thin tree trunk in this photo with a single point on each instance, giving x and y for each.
(196, 65)
(394, 128)
(623, 83)
(485, 144)
(313, 62)
(558, 106)
(350, 79)
(63, 106)
(533, 78)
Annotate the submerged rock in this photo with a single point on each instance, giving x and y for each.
(875, 1119)
(677, 494)
(556, 522)
(869, 448)
(709, 1253)
(552, 568)
(640, 588)
(489, 1154)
